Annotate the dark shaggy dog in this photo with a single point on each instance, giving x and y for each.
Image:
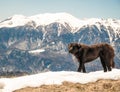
(85, 53)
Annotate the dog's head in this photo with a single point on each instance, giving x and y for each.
(73, 48)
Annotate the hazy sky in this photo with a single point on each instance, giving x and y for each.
(78, 8)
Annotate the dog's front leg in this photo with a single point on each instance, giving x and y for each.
(80, 67)
(84, 59)
(83, 65)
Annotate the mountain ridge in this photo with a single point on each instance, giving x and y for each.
(62, 18)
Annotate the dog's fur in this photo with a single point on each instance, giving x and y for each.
(85, 53)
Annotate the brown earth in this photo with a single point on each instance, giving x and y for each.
(99, 86)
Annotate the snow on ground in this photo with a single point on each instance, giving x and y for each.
(11, 84)
(37, 51)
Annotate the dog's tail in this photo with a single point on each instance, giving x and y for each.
(112, 64)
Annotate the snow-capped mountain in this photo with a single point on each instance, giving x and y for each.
(62, 18)
(20, 36)
(42, 19)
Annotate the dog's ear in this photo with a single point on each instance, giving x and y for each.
(78, 46)
(69, 45)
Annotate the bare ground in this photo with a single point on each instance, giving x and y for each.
(99, 86)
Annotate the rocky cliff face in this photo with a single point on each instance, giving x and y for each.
(17, 41)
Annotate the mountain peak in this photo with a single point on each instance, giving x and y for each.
(41, 19)
(47, 18)
(15, 20)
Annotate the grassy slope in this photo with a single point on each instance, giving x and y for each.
(99, 86)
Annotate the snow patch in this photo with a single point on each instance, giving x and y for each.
(37, 51)
(48, 78)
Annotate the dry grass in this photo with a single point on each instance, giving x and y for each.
(99, 86)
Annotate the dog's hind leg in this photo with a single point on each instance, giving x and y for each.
(108, 63)
(103, 64)
(84, 70)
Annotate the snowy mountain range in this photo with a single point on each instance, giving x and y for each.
(39, 43)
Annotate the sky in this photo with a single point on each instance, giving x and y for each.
(78, 8)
